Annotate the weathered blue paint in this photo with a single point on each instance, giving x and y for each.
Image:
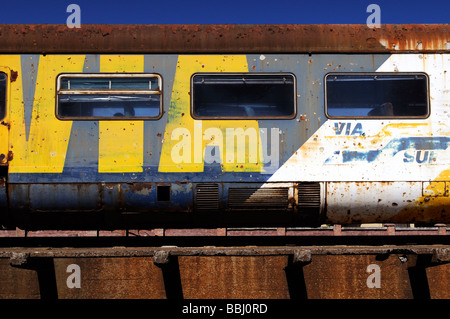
(56, 197)
(83, 174)
(348, 129)
(82, 152)
(91, 63)
(395, 146)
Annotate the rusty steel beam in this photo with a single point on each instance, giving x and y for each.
(302, 254)
(316, 272)
(335, 230)
(289, 38)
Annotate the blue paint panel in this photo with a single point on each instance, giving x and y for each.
(82, 151)
(65, 197)
(89, 174)
(29, 65)
(91, 63)
(143, 197)
(154, 130)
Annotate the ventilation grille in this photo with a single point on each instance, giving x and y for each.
(207, 197)
(258, 198)
(309, 196)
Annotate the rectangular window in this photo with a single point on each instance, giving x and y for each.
(376, 95)
(243, 95)
(109, 96)
(3, 82)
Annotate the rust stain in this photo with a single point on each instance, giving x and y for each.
(223, 38)
(234, 277)
(107, 278)
(14, 75)
(231, 273)
(329, 277)
(138, 187)
(6, 124)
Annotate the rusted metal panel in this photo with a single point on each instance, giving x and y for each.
(441, 252)
(315, 272)
(346, 277)
(16, 283)
(439, 281)
(192, 232)
(287, 38)
(388, 202)
(56, 197)
(109, 278)
(90, 197)
(144, 197)
(61, 234)
(324, 231)
(234, 277)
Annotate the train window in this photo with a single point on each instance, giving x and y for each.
(376, 95)
(3, 82)
(109, 96)
(243, 95)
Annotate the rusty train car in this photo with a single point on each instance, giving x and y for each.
(185, 125)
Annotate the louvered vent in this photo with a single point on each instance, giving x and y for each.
(207, 197)
(258, 198)
(308, 196)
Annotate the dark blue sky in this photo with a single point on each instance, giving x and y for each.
(225, 11)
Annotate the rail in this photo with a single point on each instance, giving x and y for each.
(325, 230)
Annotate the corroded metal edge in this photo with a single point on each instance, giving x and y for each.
(334, 230)
(442, 252)
(289, 38)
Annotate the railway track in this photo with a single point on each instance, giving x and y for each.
(260, 236)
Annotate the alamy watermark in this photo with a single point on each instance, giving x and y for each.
(374, 279)
(374, 20)
(73, 20)
(74, 279)
(237, 146)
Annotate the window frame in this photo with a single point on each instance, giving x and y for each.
(105, 92)
(398, 117)
(290, 117)
(6, 96)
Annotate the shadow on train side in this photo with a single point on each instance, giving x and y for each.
(160, 205)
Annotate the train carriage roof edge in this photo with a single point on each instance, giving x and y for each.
(288, 38)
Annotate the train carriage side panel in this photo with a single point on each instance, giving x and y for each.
(134, 165)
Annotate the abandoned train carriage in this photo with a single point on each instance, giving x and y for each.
(242, 125)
